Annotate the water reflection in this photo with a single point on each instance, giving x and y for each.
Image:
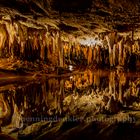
(45, 97)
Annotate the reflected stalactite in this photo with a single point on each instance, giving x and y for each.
(122, 82)
(56, 96)
(44, 92)
(112, 84)
(3, 107)
(6, 110)
(17, 120)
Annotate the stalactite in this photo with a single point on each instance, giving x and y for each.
(97, 79)
(69, 52)
(53, 42)
(22, 31)
(60, 47)
(57, 47)
(56, 41)
(42, 49)
(110, 40)
(95, 53)
(89, 56)
(98, 54)
(120, 46)
(3, 37)
(49, 47)
(85, 52)
(66, 49)
(12, 34)
(90, 77)
(129, 44)
(114, 54)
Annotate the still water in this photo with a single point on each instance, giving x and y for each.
(29, 100)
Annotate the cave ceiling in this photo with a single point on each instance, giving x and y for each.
(78, 17)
